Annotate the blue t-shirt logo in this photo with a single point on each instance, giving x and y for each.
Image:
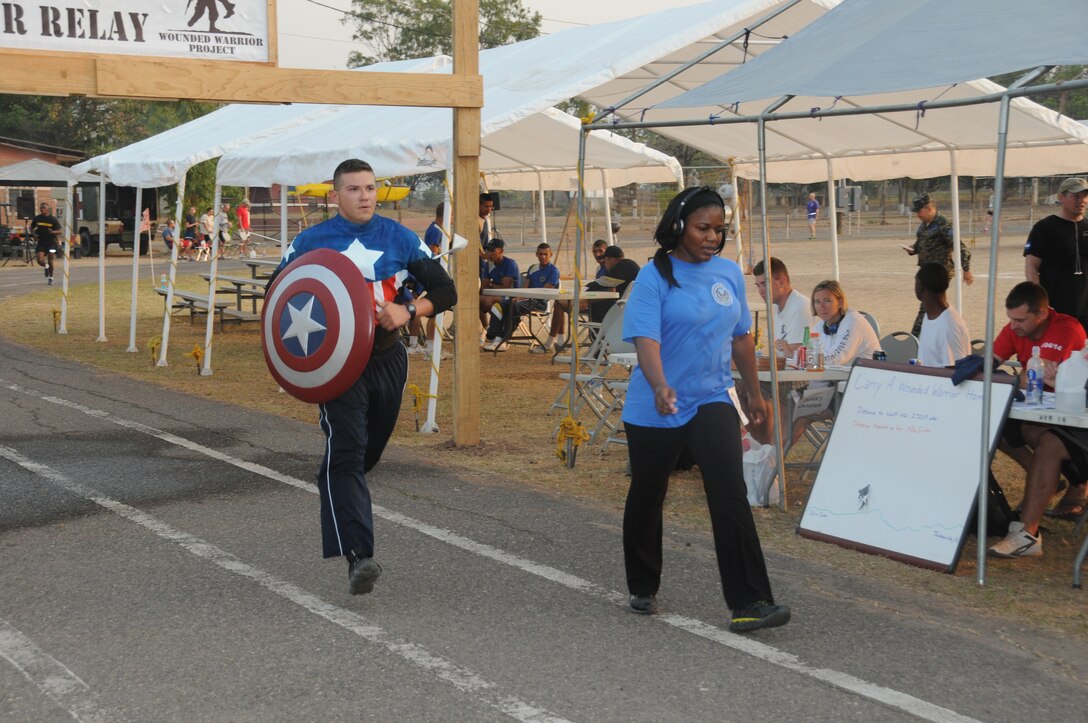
(721, 294)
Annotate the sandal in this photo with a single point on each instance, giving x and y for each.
(1066, 511)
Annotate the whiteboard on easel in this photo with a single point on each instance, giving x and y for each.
(901, 471)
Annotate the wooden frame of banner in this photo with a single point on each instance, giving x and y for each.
(122, 76)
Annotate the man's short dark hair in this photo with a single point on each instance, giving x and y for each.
(351, 165)
(440, 210)
(486, 197)
(543, 245)
(777, 268)
(599, 243)
(496, 243)
(933, 277)
(1029, 293)
(613, 252)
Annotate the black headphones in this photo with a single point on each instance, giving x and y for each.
(677, 227)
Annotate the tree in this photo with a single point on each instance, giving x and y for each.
(403, 29)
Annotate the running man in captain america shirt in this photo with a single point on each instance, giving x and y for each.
(358, 423)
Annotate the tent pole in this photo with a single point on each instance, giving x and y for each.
(780, 452)
(283, 220)
(988, 352)
(957, 241)
(543, 218)
(832, 219)
(67, 241)
(431, 425)
(178, 229)
(576, 300)
(607, 209)
(101, 259)
(206, 369)
(1014, 91)
(703, 56)
(135, 268)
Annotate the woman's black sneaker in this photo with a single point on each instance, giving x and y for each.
(758, 615)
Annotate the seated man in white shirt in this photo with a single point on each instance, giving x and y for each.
(791, 318)
(791, 307)
(944, 337)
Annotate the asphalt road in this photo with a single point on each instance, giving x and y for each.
(160, 560)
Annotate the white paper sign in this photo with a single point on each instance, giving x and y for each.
(199, 29)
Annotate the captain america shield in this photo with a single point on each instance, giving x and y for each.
(317, 325)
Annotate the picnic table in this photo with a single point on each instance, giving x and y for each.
(242, 288)
(261, 268)
(197, 304)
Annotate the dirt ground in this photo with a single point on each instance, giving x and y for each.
(518, 445)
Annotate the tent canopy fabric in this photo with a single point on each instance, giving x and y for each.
(164, 159)
(882, 46)
(36, 172)
(540, 151)
(606, 64)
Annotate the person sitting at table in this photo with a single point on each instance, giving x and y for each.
(503, 274)
(944, 337)
(1057, 451)
(616, 274)
(169, 234)
(791, 308)
(845, 334)
(1032, 322)
(544, 276)
(791, 318)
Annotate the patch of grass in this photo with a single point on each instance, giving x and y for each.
(518, 445)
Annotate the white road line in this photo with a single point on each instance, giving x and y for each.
(459, 677)
(887, 696)
(52, 677)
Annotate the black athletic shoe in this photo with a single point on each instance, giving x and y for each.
(759, 615)
(643, 604)
(362, 572)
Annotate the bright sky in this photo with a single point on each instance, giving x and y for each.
(312, 36)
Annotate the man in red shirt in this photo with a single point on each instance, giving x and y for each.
(1032, 322)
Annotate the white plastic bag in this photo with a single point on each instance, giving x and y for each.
(760, 462)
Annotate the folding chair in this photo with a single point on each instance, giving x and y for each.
(616, 387)
(900, 346)
(533, 325)
(590, 373)
(872, 322)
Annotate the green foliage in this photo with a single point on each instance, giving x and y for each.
(403, 29)
(1071, 103)
(91, 125)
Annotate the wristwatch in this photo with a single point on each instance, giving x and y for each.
(411, 310)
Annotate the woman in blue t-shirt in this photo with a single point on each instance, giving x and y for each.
(687, 317)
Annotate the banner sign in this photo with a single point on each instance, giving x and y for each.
(195, 29)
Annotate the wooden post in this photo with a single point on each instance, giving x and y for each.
(466, 171)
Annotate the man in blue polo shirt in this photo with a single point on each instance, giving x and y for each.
(503, 274)
(544, 276)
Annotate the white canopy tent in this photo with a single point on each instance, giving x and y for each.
(165, 158)
(953, 55)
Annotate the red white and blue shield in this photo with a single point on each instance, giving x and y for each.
(317, 325)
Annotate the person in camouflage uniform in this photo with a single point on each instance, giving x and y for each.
(934, 243)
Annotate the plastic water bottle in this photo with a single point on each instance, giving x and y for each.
(162, 280)
(815, 352)
(1069, 383)
(1034, 390)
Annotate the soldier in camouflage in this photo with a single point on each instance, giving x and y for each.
(933, 243)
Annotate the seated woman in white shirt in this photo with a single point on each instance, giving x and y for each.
(846, 334)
